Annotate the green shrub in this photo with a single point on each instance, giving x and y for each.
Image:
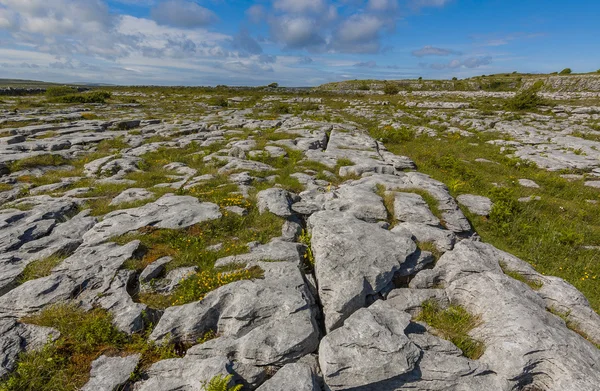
(389, 134)
(306, 238)
(454, 78)
(218, 101)
(363, 86)
(281, 108)
(391, 88)
(525, 100)
(52, 92)
(221, 383)
(505, 208)
(566, 71)
(273, 85)
(453, 324)
(89, 97)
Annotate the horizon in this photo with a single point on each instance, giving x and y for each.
(299, 43)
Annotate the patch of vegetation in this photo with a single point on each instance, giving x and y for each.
(306, 239)
(40, 268)
(221, 383)
(5, 187)
(430, 247)
(453, 324)
(389, 134)
(569, 323)
(38, 161)
(391, 88)
(88, 97)
(533, 284)
(195, 287)
(64, 365)
(388, 202)
(525, 100)
(547, 234)
(52, 92)
(566, 71)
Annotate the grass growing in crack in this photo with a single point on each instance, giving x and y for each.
(198, 285)
(221, 383)
(570, 324)
(306, 239)
(38, 161)
(5, 187)
(64, 365)
(453, 324)
(190, 247)
(388, 202)
(432, 248)
(40, 268)
(533, 284)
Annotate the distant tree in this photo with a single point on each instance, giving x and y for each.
(515, 72)
(455, 78)
(273, 85)
(420, 78)
(363, 86)
(566, 71)
(598, 71)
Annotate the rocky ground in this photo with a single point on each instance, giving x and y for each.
(285, 241)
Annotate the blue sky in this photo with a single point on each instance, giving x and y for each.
(293, 42)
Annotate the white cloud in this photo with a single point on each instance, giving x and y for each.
(181, 13)
(382, 5)
(300, 6)
(433, 51)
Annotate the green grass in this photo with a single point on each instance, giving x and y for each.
(535, 285)
(64, 365)
(40, 268)
(453, 324)
(570, 324)
(548, 234)
(38, 161)
(5, 187)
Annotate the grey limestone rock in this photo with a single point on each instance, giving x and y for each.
(109, 373)
(169, 211)
(131, 195)
(355, 262)
(411, 207)
(276, 201)
(478, 205)
(262, 322)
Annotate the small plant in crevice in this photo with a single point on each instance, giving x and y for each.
(533, 284)
(306, 238)
(570, 324)
(453, 324)
(221, 383)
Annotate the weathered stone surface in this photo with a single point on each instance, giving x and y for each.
(109, 373)
(131, 195)
(297, 375)
(412, 208)
(276, 201)
(17, 337)
(169, 211)
(369, 348)
(355, 262)
(443, 240)
(284, 326)
(478, 205)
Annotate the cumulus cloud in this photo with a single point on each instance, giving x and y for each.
(382, 5)
(300, 6)
(470, 62)
(181, 13)
(297, 32)
(244, 42)
(358, 34)
(432, 51)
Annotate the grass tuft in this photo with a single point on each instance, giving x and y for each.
(453, 324)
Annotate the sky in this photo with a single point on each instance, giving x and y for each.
(291, 42)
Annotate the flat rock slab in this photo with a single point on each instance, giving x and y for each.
(259, 322)
(354, 262)
(131, 195)
(108, 373)
(169, 211)
(478, 205)
(369, 348)
(411, 207)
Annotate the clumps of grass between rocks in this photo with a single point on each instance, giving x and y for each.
(453, 324)
(64, 365)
